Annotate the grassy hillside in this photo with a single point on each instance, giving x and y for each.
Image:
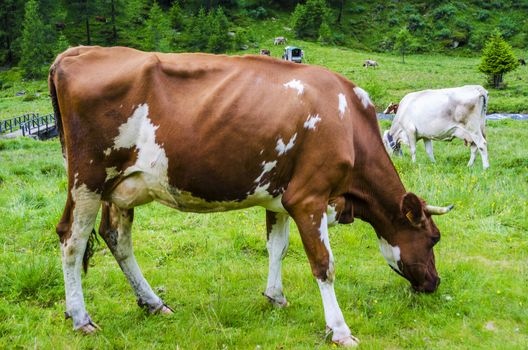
(390, 82)
(211, 268)
(436, 25)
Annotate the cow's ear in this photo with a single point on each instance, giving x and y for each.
(412, 208)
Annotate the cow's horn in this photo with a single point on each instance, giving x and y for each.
(431, 209)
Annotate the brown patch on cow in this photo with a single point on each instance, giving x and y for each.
(271, 219)
(90, 250)
(63, 228)
(412, 208)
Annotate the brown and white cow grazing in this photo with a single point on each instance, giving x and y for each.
(204, 133)
(441, 114)
(391, 108)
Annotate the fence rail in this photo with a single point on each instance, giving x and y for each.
(43, 127)
(13, 124)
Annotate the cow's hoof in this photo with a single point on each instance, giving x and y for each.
(277, 301)
(89, 328)
(165, 310)
(347, 342)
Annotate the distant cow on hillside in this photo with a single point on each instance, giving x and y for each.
(265, 52)
(280, 40)
(441, 115)
(370, 63)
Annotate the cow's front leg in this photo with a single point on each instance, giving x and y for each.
(116, 227)
(473, 155)
(429, 149)
(74, 230)
(278, 230)
(313, 227)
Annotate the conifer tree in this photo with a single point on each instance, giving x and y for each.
(176, 17)
(219, 40)
(197, 35)
(33, 54)
(61, 44)
(404, 42)
(157, 30)
(497, 59)
(325, 34)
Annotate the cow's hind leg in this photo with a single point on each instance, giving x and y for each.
(311, 219)
(74, 230)
(116, 225)
(278, 230)
(429, 149)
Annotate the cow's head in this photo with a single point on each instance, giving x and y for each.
(409, 249)
(392, 146)
(391, 108)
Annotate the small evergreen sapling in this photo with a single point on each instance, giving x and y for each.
(497, 59)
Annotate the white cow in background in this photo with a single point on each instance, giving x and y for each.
(441, 115)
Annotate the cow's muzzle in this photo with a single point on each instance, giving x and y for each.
(427, 287)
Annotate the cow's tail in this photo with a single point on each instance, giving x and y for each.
(484, 110)
(55, 103)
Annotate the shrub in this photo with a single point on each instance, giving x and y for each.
(307, 19)
(444, 11)
(444, 33)
(415, 22)
(508, 28)
(497, 59)
(258, 13)
(482, 15)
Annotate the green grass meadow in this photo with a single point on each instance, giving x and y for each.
(212, 268)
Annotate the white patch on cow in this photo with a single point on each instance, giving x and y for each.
(111, 173)
(85, 210)
(323, 235)
(282, 148)
(390, 253)
(277, 246)
(363, 96)
(266, 168)
(91, 161)
(311, 121)
(295, 84)
(342, 105)
(147, 179)
(333, 315)
(151, 164)
(331, 213)
(107, 151)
